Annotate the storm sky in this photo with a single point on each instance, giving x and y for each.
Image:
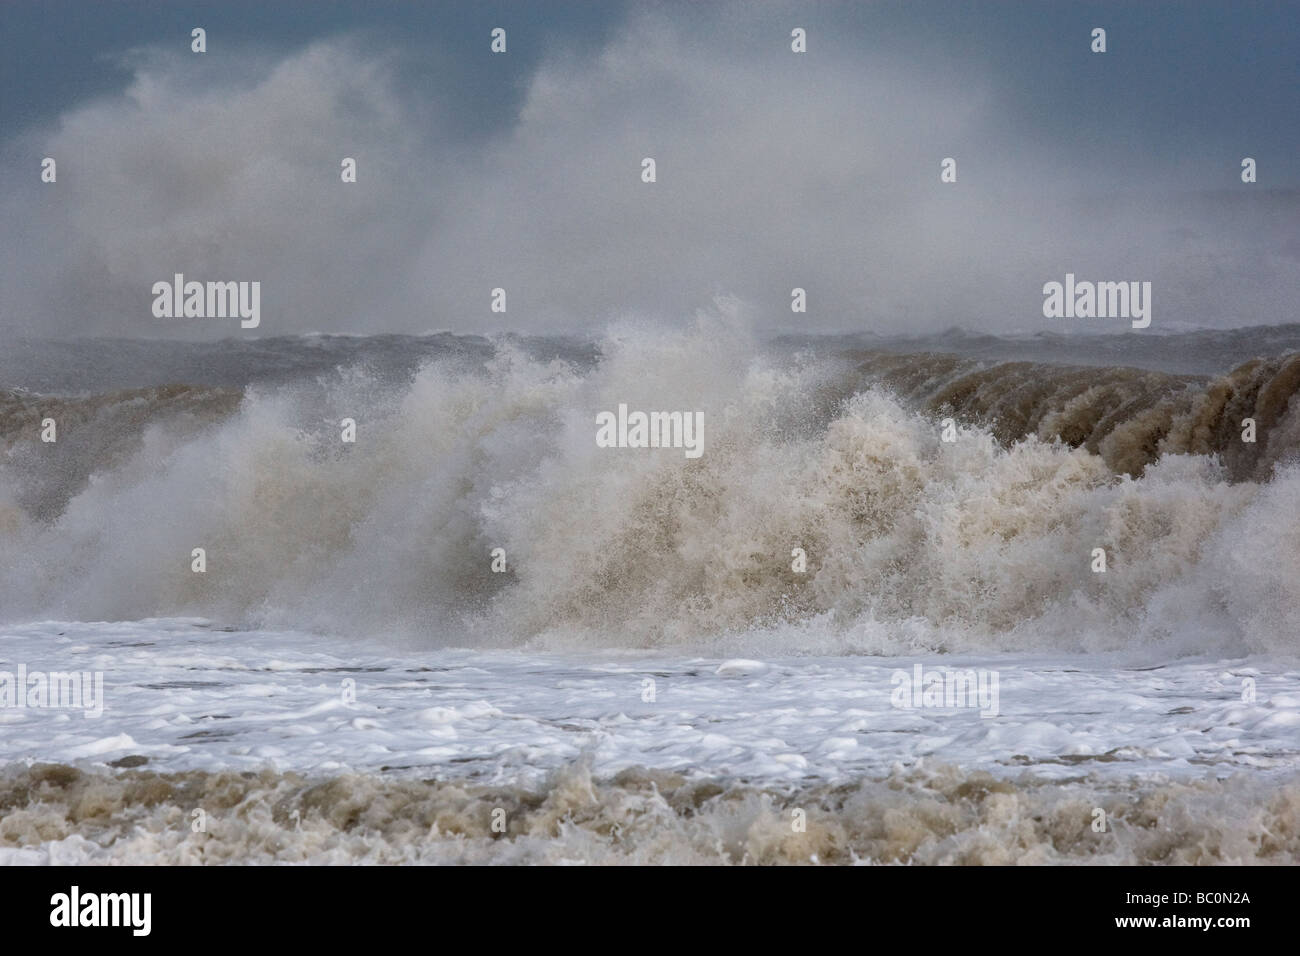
(522, 170)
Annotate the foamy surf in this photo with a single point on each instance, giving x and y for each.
(298, 748)
(59, 814)
(649, 676)
(183, 695)
(984, 542)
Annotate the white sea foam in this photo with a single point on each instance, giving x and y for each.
(911, 543)
(188, 697)
(254, 730)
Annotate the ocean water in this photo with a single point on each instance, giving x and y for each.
(650, 679)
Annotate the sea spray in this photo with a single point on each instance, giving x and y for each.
(984, 542)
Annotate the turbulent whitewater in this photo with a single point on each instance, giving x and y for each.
(474, 445)
(351, 662)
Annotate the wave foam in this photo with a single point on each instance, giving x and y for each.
(982, 543)
(60, 814)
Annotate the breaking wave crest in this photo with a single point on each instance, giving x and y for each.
(911, 542)
(1130, 417)
(99, 433)
(60, 814)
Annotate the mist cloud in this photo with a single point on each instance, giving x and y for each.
(775, 170)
